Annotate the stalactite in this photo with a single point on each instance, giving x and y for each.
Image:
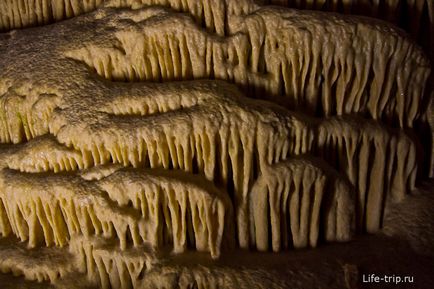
(114, 268)
(296, 201)
(337, 75)
(379, 162)
(114, 143)
(50, 210)
(41, 264)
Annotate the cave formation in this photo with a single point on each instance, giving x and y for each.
(215, 143)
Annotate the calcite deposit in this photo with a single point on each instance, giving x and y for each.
(145, 143)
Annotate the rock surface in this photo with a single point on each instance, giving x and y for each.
(162, 144)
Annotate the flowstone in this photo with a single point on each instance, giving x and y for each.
(147, 141)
